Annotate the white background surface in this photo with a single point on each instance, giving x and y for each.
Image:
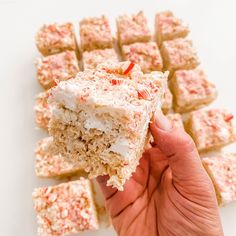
(213, 31)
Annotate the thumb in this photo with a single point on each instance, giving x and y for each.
(178, 147)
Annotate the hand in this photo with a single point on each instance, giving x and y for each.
(170, 192)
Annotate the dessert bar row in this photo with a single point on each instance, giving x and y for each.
(178, 54)
(95, 32)
(134, 39)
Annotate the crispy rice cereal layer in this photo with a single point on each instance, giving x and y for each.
(43, 110)
(192, 90)
(93, 58)
(176, 120)
(51, 164)
(168, 27)
(95, 33)
(167, 101)
(147, 55)
(179, 54)
(132, 29)
(55, 38)
(211, 128)
(65, 208)
(101, 118)
(55, 68)
(222, 170)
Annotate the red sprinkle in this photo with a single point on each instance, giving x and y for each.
(48, 221)
(229, 118)
(45, 105)
(143, 94)
(116, 81)
(130, 67)
(56, 82)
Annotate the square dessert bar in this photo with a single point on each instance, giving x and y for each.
(92, 58)
(211, 128)
(179, 54)
(222, 170)
(101, 118)
(167, 101)
(55, 68)
(43, 110)
(147, 55)
(65, 208)
(191, 90)
(132, 29)
(168, 27)
(50, 163)
(95, 33)
(55, 38)
(176, 120)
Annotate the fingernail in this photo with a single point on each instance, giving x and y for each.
(161, 121)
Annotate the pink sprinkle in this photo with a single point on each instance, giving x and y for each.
(229, 118)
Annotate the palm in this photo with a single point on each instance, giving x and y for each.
(152, 203)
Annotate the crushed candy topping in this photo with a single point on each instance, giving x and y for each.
(130, 67)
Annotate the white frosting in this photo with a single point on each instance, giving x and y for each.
(94, 123)
(122, 147)
(224, 133)
(66, 95)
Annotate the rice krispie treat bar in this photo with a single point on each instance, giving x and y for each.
(222, 170)
(55, 68)
(65, 208)
(95, 33)
(132, 29)
(168, 27)
(50, 164)
(147, 55)
(55, 38)
(176, 120)
(191, 90)
(167, 101)
(211, 128)
(93, 58)
(101, 118)
(179, 54)
(43, 110)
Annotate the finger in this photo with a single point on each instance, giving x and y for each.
(140, 176)
(118, 201)
(108, 191)
(178, 146)
(158, 163)
(123, 199)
